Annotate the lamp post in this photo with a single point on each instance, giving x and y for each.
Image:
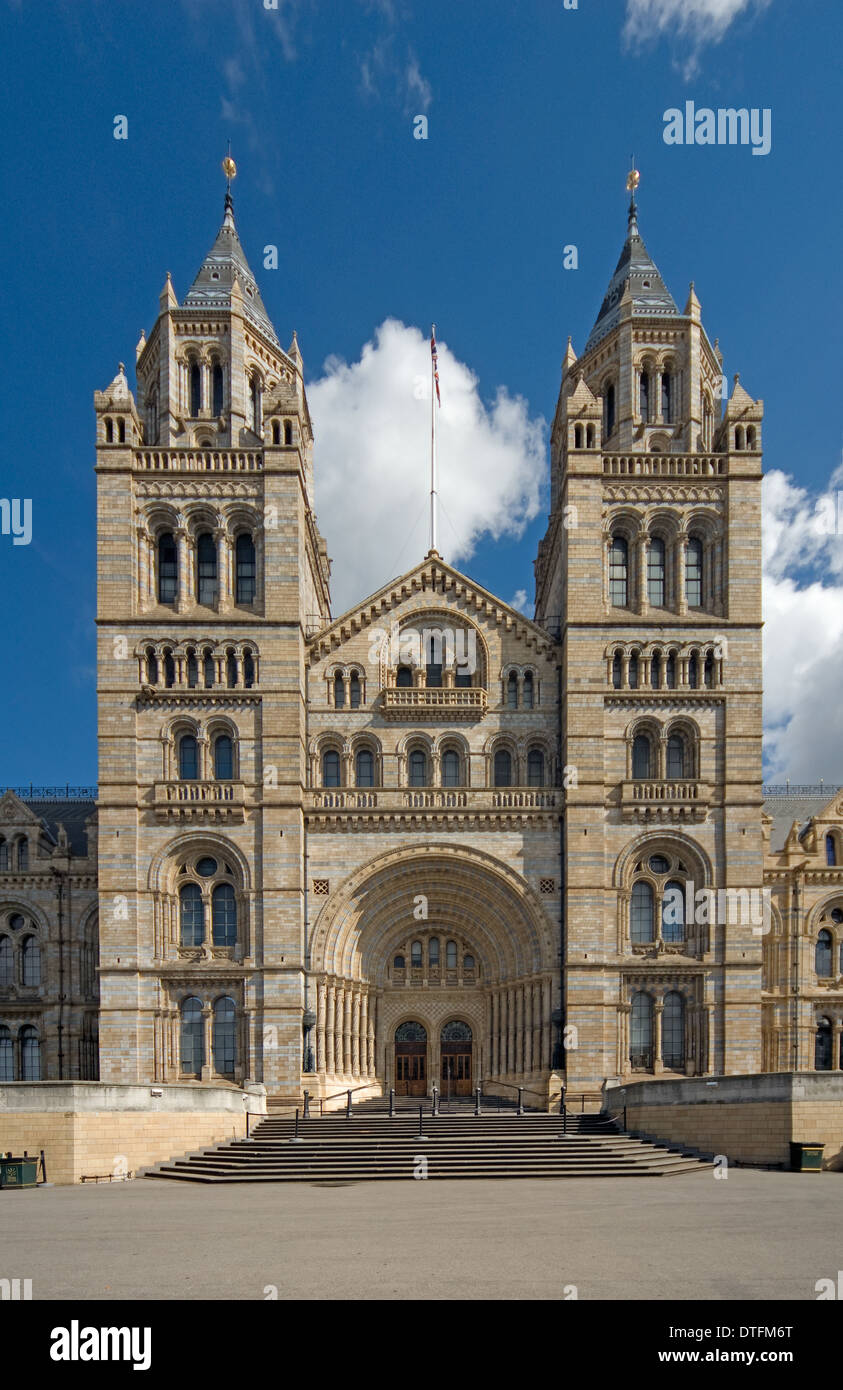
(308, 1020)
(557, 1018)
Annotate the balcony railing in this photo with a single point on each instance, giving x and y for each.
(684, 799)
(664, 465)
(348, 799)
(199, 460)
(183, 800)
(431, 702)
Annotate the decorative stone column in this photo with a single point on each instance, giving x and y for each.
(321, 991)
(346, 1031)
(207, 1038)
(355, 1033)
(330, 1004)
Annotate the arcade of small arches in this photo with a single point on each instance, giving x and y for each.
(201, 905)
(14, 854)
(206, 557)
(663, 1027)
(664, 561)
(188, 665)
(422, 761)
(200, 750)
(675, 666)
(657, 751)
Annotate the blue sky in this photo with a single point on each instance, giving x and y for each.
(533, 111)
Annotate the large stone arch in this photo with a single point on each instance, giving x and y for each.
(466, 889)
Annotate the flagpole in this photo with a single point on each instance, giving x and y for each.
(433, 480)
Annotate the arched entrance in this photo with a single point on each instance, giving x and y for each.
(410, 1060)
(455, 1048)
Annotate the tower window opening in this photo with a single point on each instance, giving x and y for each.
(195, 389)
(656, 572)
(645, 397)
(246, 586)
(206, 560)
(667, 398)
(216, 389)
(168, 568)
(619, 572)
(288, 432)
(694, 573)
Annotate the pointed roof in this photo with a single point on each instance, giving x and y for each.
(636, 275)
(225, 263)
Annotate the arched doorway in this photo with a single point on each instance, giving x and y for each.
(410, 1060)
(455, 1048)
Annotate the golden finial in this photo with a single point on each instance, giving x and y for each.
(229, 168)
(633, 178)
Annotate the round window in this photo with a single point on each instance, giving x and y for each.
(16, 922)
(206, 867)
(659, 864)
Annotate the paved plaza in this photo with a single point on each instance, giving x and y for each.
(755, 1235)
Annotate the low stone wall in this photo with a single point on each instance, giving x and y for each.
(88, 1129)
(750, 1119)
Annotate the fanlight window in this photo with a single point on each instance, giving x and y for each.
(457, 1031)
(410, 1032)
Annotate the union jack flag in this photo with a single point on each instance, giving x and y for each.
(435, 360)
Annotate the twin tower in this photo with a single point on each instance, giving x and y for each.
(271, 807)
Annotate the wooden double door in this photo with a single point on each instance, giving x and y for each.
(455, 1069)
(411, 1068)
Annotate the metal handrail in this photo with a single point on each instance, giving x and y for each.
(527, 1090)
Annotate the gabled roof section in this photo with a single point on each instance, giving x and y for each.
(637, 272)
(225, 262)
(797, 807)
(441, 581)
(15, 812)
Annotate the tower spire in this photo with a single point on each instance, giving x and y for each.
(229, 168)
(633, 179)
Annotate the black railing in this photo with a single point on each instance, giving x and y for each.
(65, 793)
(800, 788)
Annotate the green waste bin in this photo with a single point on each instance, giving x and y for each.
(18, 1172)
(806, 1158)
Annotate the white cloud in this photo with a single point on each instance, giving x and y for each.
(520, 601)
(372, 423)
(692, 22)
(803, 633)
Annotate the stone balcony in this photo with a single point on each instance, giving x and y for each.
(437, 702)
(216, 801)
(665, 800)
(398, 799)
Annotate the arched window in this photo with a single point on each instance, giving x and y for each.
(451, 768)
(23, 855)
(169, 670)
(418, 768)
(589, 436)
(223, 915)
(331, 768)
(632, 671)
(434, 663)
(404, 678)
(739, 437)
(188, 758)
(642, 758)
(673, 1031)
(216, 389)
(457, 1031)
(641, 913)
(339, 691)
(7, 962)
(399, 963)
(7, 1055)
(655, 572)
(512, 691)
(451, 955)
(822, 955)
(192, 915)
(673, 913)
(667, 395)
(467, 964)
(195, 389)
(223, 758)
(411, 1032)
(192, 669)
(617, 670)
(694, 572)
(354, 690)
(276, 432)
(416, 955)
(230, 669)
(645, 397)
(708, 670)
(225, 1037)
(168, 568)
(528, 690)
(577, 436)
(246, 572)
(619, 572)
(830, 850)
(677, 760)
(693, 671)
(364, 768)
(192, 1037)
(206, 569)
(670, 671)
(248, 670)
(641, 1032)
(208, 668)
(255, 404)
(288, 432)
(31, 962)
(433, 950)
(823, 1045)
(109, 432)
(535, 768)
(655, 670)
(503, 768)
(151, 666)
(609, 410)
(30, 1054)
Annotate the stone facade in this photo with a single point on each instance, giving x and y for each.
(431, 840)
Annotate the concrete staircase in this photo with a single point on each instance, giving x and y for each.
(372, 1146)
